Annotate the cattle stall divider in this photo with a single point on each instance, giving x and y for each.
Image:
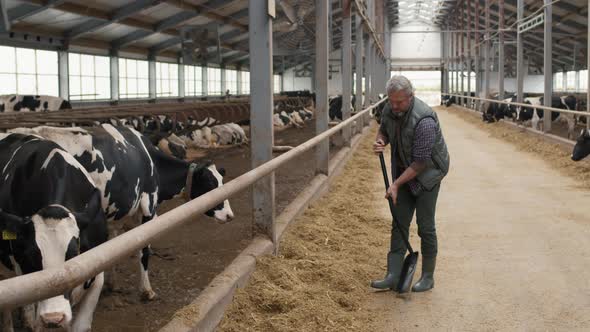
(44, 284)
(582, 113)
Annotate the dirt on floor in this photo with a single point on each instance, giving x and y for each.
(318, 281)
(512, 225)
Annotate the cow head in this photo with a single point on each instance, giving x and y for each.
(582, 147)
(205, 178)
(46, 240)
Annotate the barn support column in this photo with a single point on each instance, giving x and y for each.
(501, 49)
(359, 66)
(346, 67)
(462, 58)
(443, 62)
(486, 51)
(181, 92)
(477, 57)
(469, 60)
(261, 111)
(322, 47)
(223, 80)
(450, 59)
(547, 69)
(64, 78)
(457, 59)
(519, 55)
(152, 76)
(368, 70)
(204, 80)
(588, 70)
(239, 79)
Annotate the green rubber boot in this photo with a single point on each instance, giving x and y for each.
(426, 282)
(394, 269)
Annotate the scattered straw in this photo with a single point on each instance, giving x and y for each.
(320, 279)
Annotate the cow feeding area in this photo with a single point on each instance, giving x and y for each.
(319, 279)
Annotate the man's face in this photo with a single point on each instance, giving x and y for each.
(399, 101)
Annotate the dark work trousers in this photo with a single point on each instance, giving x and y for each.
(425, 206)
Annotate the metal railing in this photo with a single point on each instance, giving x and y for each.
(586, 114)
(44, 284)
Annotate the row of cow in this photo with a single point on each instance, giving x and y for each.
(493, 112)
(60, 186)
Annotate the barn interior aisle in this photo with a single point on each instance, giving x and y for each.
(513, 244)
(513, 250)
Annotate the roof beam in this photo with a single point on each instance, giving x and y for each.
(208, 12)
(169, 23)
(26, 10)
(118, 15)
(5, 21)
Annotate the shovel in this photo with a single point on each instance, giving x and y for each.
(409, 267)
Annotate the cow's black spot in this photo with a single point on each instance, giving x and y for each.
(54, 212)
(65, 105)
(12, 99)
(17, 106)
(45, 105)
(2, 108)
(31, 102)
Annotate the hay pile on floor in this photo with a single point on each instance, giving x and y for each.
(320, 279)
(557, 155)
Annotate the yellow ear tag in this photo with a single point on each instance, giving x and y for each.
(7, 235)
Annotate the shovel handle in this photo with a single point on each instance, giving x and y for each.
(390, 201)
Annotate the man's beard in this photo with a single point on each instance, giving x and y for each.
(398, 115)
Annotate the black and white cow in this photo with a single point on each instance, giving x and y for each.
(335, 107)
(134, 176)
(534, 115)
(496, 111)
(50, 212)
(29, 103)
(582, 147)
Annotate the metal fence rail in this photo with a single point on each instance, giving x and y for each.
(32, 287)
(586, 114)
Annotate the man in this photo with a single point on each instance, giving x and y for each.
(422, 161)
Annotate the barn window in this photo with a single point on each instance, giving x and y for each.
(133, 78)
(245, 82)
(571, 81)
(231, 81)
(193, 81)
(89, 77)
(166, 79)
(558, 81)
(28, 71)
(213, 81)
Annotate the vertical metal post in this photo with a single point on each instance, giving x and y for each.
(367, 71)
(181, 92)
(462, 58)
(469, 62)
(486, 51)
(63, 77)
(322, 150)
(224, 80)
(346, 67)
(204, 79)
(452, 59)
(547, 69)
(239, 79)
(114, 68)
(519, 55)
(261, 111)
(359, 63)
(501, 49)
(152, 76)
(477, 57)
(588, 70)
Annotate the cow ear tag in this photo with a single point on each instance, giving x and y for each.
(8, 235)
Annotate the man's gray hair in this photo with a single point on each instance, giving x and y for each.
(399, 83)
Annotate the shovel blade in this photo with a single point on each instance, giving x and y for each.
(408, 270)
